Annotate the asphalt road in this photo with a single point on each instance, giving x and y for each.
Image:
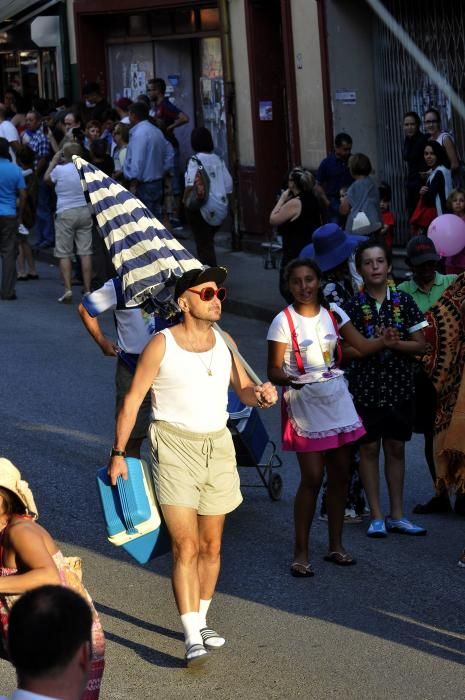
(390, 627)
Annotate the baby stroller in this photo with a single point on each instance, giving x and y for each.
(253, 446)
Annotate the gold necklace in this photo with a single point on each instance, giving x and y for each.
(197, 354)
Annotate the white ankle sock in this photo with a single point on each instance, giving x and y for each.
(191, 627)
(203, 610)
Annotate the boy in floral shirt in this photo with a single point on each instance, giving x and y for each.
(382, 385)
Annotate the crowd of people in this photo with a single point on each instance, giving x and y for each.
(350, 350)
(133, 142)
(344, 191)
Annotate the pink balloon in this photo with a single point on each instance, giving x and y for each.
(448, 234)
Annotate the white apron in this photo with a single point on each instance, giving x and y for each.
(321, 409)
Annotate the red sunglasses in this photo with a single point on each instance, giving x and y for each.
(207, 293)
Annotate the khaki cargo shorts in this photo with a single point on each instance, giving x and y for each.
(73, 228)
(194, 470)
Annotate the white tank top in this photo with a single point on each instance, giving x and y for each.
(191, 389)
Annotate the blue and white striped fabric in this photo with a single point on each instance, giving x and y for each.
(147, 258)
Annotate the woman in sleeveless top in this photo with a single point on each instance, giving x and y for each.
(439, 183)
(296, 214)
(435, 132)
(30, 558)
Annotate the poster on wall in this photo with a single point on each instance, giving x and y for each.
(140, 82)
(265, 110)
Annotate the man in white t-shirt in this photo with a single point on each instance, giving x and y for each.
(73, 224)
(134, 328)
(9, 132)
(188, 369)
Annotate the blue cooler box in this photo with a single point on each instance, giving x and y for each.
(131, 513)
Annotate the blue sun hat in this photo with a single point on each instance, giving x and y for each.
(331, 246)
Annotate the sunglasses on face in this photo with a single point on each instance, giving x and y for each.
(431, 121)
(207, 293)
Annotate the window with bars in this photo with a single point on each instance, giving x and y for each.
(438, 29)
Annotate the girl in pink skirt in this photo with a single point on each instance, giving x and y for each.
(319, 421)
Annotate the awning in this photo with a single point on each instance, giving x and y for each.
(13, 12)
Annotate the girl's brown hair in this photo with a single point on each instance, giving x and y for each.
(12, 504)
(452, 196)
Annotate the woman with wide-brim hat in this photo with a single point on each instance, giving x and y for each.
(29, 558)
(331, 249)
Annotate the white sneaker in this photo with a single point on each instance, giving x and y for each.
(66, 298)
(350, 516)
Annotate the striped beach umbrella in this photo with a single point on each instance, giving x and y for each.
(144, 253)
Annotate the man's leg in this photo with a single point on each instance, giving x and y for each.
(369, 472)
(210, 534)
(86, 267)
(65, 269)
(394, 457)
(151, 194)
(182, 524)
(45, 230)
(8, 248)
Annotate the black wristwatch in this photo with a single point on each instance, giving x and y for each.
(117, 453)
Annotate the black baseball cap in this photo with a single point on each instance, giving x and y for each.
(192, 278)
(421, 249)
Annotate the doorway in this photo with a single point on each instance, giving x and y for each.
(266, 47)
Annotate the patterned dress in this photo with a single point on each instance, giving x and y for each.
(71, 580)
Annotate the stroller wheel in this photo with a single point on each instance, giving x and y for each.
(275, 487)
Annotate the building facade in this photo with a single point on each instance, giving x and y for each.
(274, 80)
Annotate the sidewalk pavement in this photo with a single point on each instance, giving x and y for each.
(253, 292)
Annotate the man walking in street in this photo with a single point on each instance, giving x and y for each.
(12, 185)
(49, 642)
(188, 369)
(333, 175)
(134, 328)
(144, 166)
(38, 142)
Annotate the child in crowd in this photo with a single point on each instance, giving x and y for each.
(387, 217)
(100, 158)
(25, 262)
(319, 421)
(382, 385)
(330, 249)
(361, 198)
(455, 264)
(92, 132)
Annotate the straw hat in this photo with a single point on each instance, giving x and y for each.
(10, 478)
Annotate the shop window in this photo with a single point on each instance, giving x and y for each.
(161, 23)
(209, 20)
(184, 21)
(138, 25)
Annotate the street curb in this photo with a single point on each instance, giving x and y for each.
(232, 306)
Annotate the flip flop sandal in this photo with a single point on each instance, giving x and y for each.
(299, 570)
(340, 559)
(196, 655)
(211, 639)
